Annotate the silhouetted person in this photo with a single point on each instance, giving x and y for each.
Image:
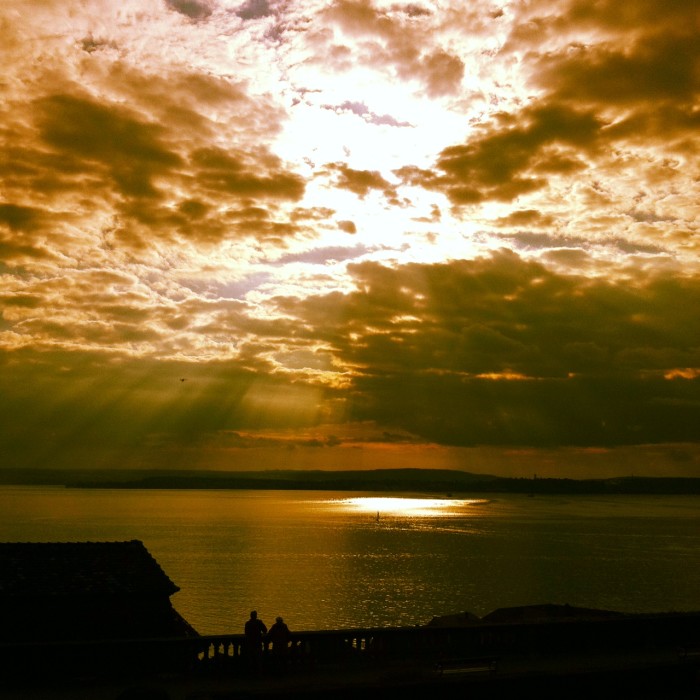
(255, 631)
(279, 636)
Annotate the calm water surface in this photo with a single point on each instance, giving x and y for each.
(329, 560)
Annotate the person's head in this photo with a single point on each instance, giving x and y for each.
(279, 619)
(253, 614)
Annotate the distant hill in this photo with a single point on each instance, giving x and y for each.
(421, 480)
(424, 480)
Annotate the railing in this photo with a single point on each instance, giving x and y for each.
(427, 646)
(305, 649)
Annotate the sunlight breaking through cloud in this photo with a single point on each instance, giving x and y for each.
(474, 223)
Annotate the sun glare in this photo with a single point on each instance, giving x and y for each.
(412, 507)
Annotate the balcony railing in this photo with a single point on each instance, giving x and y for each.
(438, 647)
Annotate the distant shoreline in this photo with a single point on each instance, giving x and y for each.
(445, 482)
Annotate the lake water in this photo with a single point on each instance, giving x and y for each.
(327, 560)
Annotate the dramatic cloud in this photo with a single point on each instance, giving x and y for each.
(512, 160)
(350, 232)
(519, 354)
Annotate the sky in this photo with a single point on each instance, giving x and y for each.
(351, 234)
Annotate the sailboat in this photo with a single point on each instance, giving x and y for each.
(532, 492)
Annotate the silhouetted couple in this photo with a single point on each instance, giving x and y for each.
(256, 635)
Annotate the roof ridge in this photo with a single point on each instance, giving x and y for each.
(87, 567)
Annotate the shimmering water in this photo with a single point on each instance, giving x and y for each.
(329, 560)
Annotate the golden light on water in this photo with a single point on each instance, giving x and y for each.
(412, 507)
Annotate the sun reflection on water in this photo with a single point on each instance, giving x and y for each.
(411, 507)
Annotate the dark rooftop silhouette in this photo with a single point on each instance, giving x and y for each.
(85, 590)
(64, 568)
(548, 612)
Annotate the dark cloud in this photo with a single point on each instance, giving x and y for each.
(103, 152)
(238, 173)
(524, 217)
(442, 73)
(28, 301)
(500, 350)
(361, 182)
(206, 224)
(545, 413)
(14, 253)
(30, 233)
(194, 209)
(413, 10)
(268, 230)
(512, 156)
(194, 9)
(19, 218)
(639, 71)
(90, 44)
(254, 9)
(347, 226)
(658, 69)
(603, 20)
(108, 139)
(644, 16)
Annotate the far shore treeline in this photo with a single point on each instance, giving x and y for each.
(433, 481)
